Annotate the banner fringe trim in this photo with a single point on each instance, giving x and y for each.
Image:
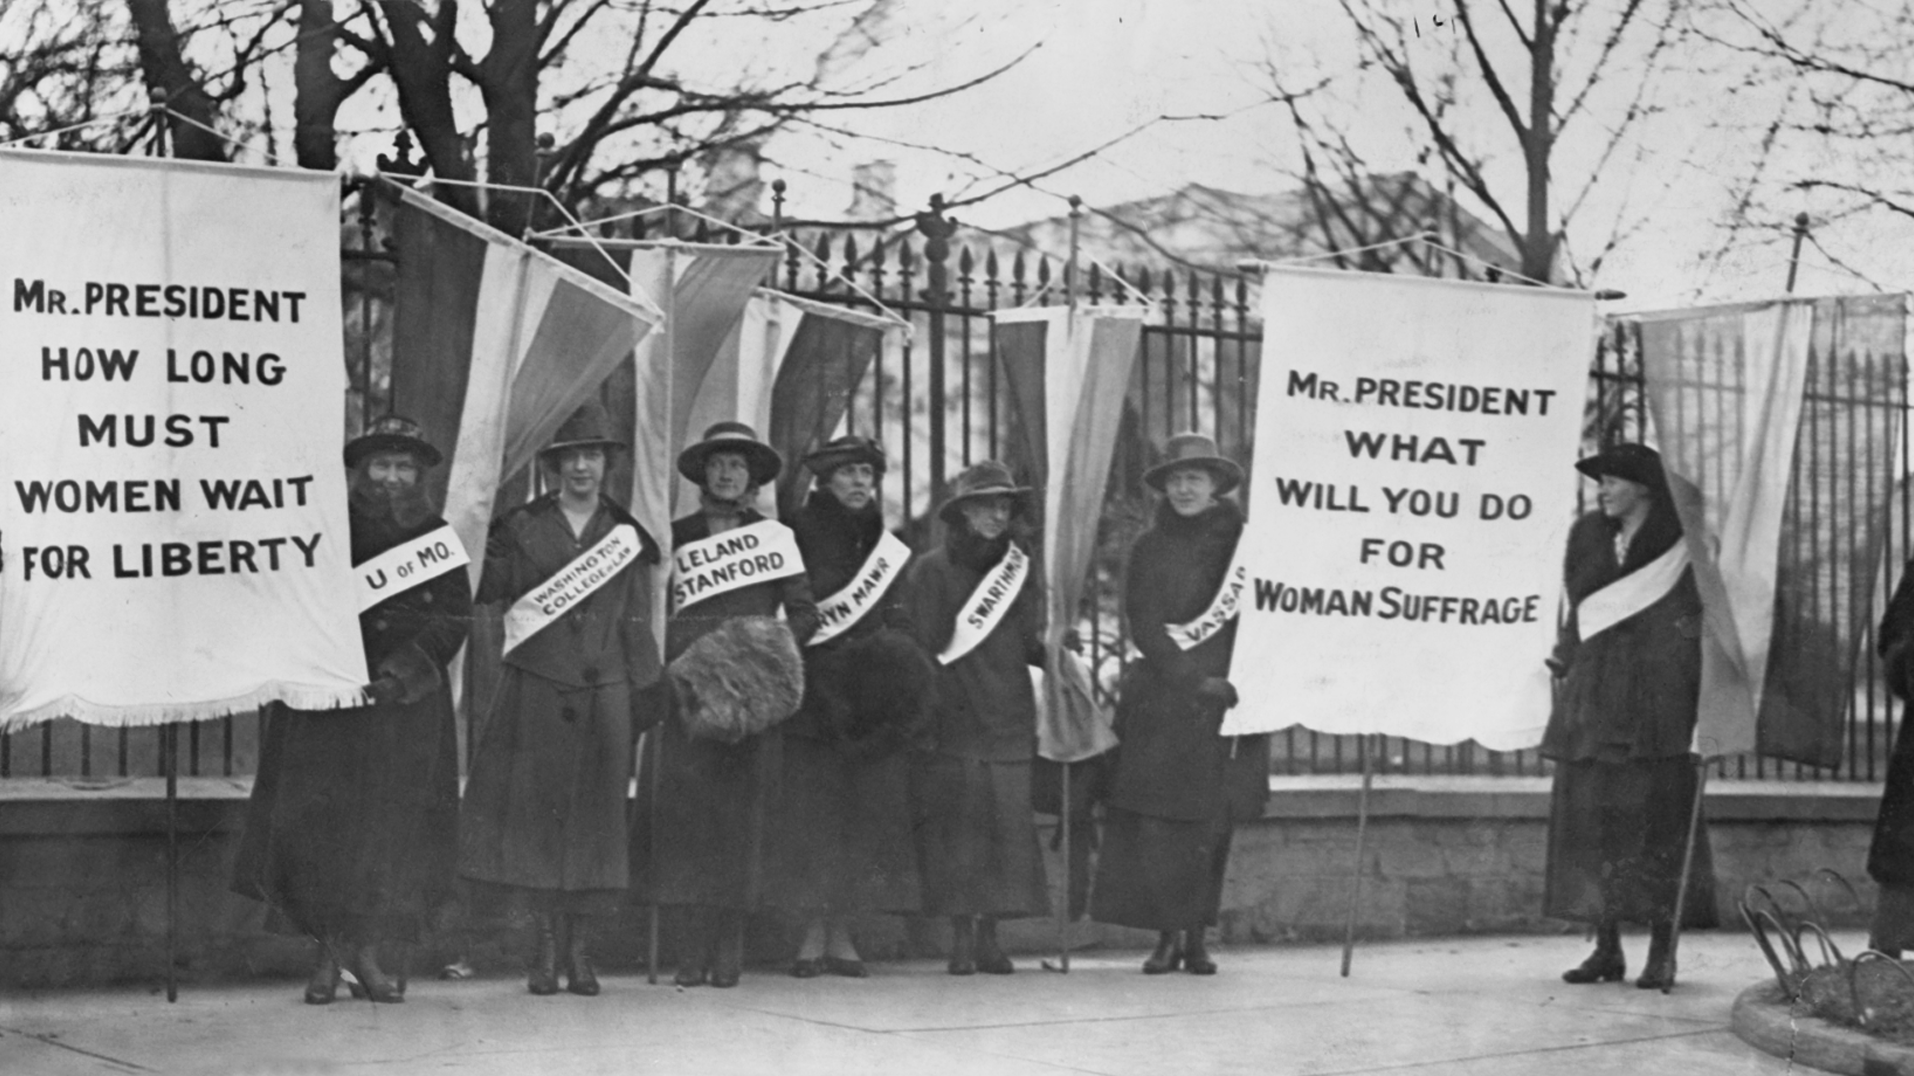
(297, 696)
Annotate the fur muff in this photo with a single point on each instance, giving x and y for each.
(873, 692)
(742, 677)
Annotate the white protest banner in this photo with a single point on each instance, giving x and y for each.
(1411, 495)
(173, 541)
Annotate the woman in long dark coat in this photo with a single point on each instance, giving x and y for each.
(1624, 722)
(842, 841)
(545, 815)
(976, 837)
(1171, 811)
(703, 853)
(1890, 859)
(352, 828)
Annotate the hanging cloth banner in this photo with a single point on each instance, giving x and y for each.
(1632, 593)
(173, 534)
(884, 566)
(1068, 371)
(499, 343)
(1747, 400)
(1409, 504)
(1222, 610)
(408, 564)
(576, 581)
(986, 606)
(739, 557)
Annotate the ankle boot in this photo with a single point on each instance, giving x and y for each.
(963, 945)
(365, 966)
(324, 983)
(1167, 956)
(1606, 964)
(1196, 956)
(727, 962)
(543, 978)
(991, 959)
(1659, 972)
(580, 977)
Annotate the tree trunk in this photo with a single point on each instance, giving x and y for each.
(509, 84)
(164, 67)
(317, 92)
(1538, 246)
(422, 72)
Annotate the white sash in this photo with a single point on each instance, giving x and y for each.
(571, 584)
(408, 564)
(739, 557)
(883, 567)
(986, 606)
(1222, 608)
(1631, 593)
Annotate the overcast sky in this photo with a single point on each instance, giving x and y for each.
(1101, 68)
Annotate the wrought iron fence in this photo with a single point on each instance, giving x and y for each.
(935, 401)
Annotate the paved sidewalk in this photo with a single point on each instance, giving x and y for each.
(1484, 1006)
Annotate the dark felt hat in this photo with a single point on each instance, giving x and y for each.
(588, 427)
(1195, 450)
(847, 449)
(985, 478)
(392, 433)
(762, 459)
(1637, 463)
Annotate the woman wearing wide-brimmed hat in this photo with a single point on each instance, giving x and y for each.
(841, 843)
(544, 823)
(977, 607)
(352, 828)
(1629, 658)
(735, 674)
(1180, 786)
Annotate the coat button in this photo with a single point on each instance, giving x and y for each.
(590, 673)
(426, 597)
(568, 715)
(378, 625)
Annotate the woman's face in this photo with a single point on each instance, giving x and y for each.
(726, 475)
(581, 471)
(393, 472)
(1621, 497)
(854, 485)
(987, 517)
(1190, 490)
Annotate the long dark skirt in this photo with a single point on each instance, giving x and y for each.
(1616, 836)
(1893, 925)
(840, 834)
(547, 803)
(352, 829)
(706, 844)
(976, 840)
(1159, 873)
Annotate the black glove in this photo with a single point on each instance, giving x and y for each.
(1555, 667)
(385, 690)
(1072, 641)
(1218, 689)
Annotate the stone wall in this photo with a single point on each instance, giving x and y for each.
(83, 893)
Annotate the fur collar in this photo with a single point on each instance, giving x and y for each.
(979, 554)
(828, 510)
(1224, 519)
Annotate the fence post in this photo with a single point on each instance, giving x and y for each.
(936, 230)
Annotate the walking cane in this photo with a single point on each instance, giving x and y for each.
(657, 750)
(1687, 864)
(1053, 690)
(1362, 829)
